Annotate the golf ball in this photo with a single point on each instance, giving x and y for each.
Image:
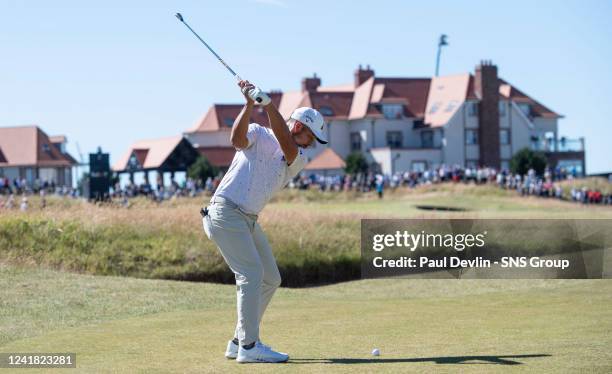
(375, 352)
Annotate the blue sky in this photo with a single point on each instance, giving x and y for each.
(107, 73)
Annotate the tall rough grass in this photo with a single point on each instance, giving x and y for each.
(315, 236)
(167, 241)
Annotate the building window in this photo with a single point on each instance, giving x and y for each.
(326, 111)
(451, 106)
(471, 163)
(394, 139)
(427, 139)
(355, 141)
(46, 148)
(393, 111)
(502, 108)
(228, 121)
(471, 137)
(525, 108)
(434, 107)
(505, 164)
(419, 166)
(473, 109)
(504, 136)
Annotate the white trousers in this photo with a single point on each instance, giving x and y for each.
(247, 252)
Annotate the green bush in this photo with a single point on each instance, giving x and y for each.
(526, 159)
(201, 169)
(356, 163)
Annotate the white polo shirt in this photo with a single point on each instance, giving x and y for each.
(258, 171)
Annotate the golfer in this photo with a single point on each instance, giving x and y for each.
(265, 161)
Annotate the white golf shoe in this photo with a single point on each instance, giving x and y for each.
(232, 350)
(260, 353)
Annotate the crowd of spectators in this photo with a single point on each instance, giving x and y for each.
(21, 186)
(529, 184)
(14, 194)
(188, 187)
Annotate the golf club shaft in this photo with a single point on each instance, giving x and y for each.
(210, 49)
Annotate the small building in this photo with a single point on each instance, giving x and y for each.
(28, 153)
(163, 155)
(326, 163)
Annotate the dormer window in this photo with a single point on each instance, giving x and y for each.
(451, 106)
(228, 121)
(393, 111)
(46, 148)
(434, 107)
(473, 109)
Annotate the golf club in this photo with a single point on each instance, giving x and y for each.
(256, 94)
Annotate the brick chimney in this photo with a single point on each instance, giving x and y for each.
(362, 75)
(311, 84)
(486, 86)
(276, 96)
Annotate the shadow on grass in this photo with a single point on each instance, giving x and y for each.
(499, 360)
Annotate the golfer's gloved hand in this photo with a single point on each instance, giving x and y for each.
(260, 97)
(254, 94)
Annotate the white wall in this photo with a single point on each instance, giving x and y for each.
(454, 153)
(405, 157)
(544, 125)
(382, 156)
(210, 139)
(520, 130)
(382, 126)
(340, 138)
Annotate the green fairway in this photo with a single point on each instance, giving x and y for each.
(153, 326)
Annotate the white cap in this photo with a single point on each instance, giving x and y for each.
(313, 119)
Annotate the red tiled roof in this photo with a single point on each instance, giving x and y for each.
(218, 156)
(30, 146)
(350, 102)
(507, 91)
(326, 160)
(537, 109)
(338, 102)
(141, 155)
(415, 90)
(150, 154)
(222, 116)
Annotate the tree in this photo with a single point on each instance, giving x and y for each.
(356, 163)
(526, 159)
(201, 169)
